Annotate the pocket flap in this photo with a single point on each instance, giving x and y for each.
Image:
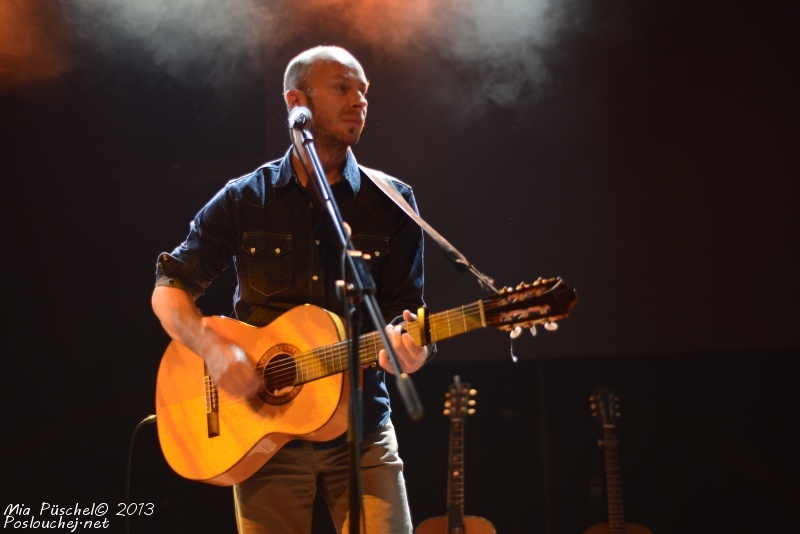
(255, 243)
(374, 245)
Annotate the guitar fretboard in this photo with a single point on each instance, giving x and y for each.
(331, 359)
(616, 510)
(455, 486)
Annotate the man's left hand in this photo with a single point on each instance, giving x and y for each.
(410, 356)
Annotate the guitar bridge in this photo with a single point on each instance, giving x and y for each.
(212, 407)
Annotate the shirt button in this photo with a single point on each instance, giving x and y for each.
(316, 241)
(277, 250)
(315, 278)
(252, 250)
(377, 253)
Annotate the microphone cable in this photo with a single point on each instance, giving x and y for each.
(150, 419)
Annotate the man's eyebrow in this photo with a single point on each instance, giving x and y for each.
(348, 78)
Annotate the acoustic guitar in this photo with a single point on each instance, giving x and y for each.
(458, 405)
(605, 407)
(300, 359)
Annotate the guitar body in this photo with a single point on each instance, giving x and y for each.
(473, 524)
(605, 528)
(227, 446)
(301, 359)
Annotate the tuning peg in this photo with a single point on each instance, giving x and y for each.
(473, 391)
(472, 402)
(471, 411)
(551, 326)
(446, 412)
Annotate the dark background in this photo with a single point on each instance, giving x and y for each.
(644, 151)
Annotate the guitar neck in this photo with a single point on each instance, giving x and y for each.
(455, 479)
(331, 359)
(616, 510)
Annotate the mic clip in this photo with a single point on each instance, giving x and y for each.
(299, 118)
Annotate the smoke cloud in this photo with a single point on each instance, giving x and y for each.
(484, 53)
(32, 49)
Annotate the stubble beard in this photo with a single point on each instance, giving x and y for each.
(334, 140)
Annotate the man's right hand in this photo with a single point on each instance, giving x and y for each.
(227, 363)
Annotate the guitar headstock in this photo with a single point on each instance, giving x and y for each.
(605, 406)
(544, 301)
(459, 400)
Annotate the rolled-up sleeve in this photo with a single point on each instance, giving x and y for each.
(205, 253)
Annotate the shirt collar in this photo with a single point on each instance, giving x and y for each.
(351, 172)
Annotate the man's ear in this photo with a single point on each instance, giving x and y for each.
(295, 98)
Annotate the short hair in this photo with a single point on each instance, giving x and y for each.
(299, 68)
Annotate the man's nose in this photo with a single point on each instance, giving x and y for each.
(360, 100)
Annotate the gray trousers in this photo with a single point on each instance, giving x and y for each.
(279, 498)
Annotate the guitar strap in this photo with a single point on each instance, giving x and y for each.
(385, 183)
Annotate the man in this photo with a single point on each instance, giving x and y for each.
(273, 229)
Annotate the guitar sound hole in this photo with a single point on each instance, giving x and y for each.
(278, 379)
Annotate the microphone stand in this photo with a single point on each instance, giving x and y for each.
(361, 291)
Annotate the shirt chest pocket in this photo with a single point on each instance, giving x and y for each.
(268, 261)
(378, 249)
(376, 246)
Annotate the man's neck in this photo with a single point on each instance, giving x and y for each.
(332, 162)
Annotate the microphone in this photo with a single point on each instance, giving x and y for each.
(299, 118)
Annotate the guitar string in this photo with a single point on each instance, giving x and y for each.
(333, 358)
(285, 369)
(370, 346)
(317, 363)
(323, 361)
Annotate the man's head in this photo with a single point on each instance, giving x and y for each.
(331, 83)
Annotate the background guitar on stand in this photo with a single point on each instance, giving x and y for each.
(605, 407)
(457, 406)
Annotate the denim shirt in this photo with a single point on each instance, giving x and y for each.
(278, 237)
